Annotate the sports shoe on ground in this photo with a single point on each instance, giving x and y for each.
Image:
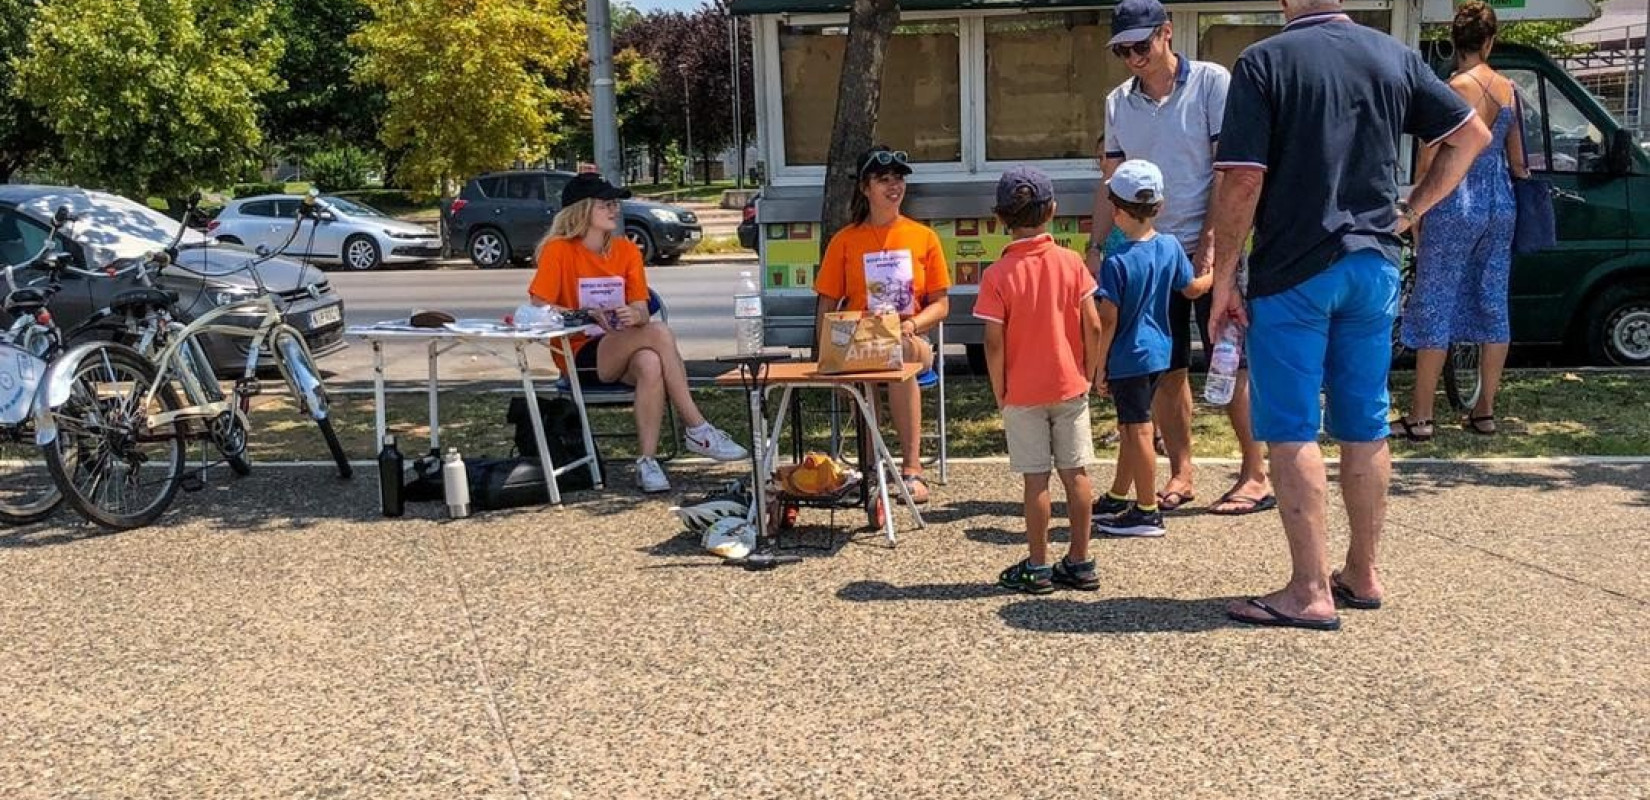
(1108, 506)
(713, 442)
(731, 537)
(650, 476)
(1132, 522)
(1023, 577)
(1076, 576)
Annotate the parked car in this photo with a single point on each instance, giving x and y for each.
(501, 216)
(112, 229)
(349, 232)
(747, 225)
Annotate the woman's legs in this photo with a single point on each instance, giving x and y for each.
(1491, 359)
(1429, 363)
(905, 405)
(615, 355)
(646, 374)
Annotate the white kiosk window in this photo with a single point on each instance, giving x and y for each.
(921, 109)
(1046, 79)
(1221, 37)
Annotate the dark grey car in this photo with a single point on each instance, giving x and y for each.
(500, 217)
(112, 229)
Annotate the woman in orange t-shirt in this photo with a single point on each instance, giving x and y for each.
(885, 260)
(582, 264)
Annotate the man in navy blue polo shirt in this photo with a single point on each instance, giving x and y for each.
(1309, 150)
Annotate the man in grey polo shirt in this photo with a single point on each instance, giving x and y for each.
(1170, 113)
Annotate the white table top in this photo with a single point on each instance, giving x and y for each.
(463, 329)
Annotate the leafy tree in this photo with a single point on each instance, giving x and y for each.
(22, 136)
(465, 81)
(150, 97)
(321, 105)
(1548, 36)
(691, 77)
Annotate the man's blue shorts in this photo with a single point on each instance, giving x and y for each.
(1332, 335)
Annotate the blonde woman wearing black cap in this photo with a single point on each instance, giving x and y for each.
(584, 264)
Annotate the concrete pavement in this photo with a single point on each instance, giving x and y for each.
(274, 638)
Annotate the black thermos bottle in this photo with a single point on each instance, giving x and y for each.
(389, 478)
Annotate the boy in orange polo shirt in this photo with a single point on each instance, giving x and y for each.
(1042, 347)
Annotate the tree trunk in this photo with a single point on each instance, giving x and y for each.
(859, 95)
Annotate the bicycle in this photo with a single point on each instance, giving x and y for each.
(113, 424)
(27, 492)
(1461, 376)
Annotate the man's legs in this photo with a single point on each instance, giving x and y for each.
(1252, 484)
(1172, 402)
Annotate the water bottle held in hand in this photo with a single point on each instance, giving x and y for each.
(747, 315)
(1223, 365)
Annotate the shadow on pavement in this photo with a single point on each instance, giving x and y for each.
(945, 512)
(1428, 479)
(880, 591)
(1119, 615)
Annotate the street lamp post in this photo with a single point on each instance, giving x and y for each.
(738, 116)
(687, 114)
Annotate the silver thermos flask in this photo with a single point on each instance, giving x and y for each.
(455, 484)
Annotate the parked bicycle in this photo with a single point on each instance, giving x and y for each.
(118, 416)
(27, 491)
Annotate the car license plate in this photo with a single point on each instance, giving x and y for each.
(326, 316)
(694, 236)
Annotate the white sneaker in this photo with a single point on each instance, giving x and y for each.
(650, 476)
(716, 444)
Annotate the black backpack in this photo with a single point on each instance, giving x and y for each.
(516, 481)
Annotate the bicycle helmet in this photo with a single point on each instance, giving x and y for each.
(701, 516)
(730, 537)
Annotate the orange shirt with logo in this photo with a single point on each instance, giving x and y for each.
(1036, 291)
(897, 264)
(571, 275)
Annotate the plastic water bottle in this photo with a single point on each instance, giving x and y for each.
(747, 315)
(455, 484)
(1223, 366)
(390, 463)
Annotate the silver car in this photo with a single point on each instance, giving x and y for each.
(349, 232)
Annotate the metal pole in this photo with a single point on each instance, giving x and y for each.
(604, 121)
(687, 113)
(738, 114)
(1644, 74)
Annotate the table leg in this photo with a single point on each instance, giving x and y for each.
(546, 463)
(885, 465)
(565, 345)
(435, 400)
(380, 423)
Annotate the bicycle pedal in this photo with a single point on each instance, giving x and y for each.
(249, 387)
(191, 483)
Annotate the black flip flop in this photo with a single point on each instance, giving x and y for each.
(1255, 506)
(1475, 425)
(1345, 596)
(1180, 499)
(1277, 619)
(1409, 429)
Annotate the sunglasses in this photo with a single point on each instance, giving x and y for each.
(1137, 50)
(884, 158)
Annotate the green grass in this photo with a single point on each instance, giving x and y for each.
(1541, 414)
(718, 245)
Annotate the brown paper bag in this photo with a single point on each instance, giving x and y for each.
(857, 341)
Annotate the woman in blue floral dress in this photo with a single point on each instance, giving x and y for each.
(1464, 249)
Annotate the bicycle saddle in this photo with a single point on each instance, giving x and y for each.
(142, 299)
(429, 318)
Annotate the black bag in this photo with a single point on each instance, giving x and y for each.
(497, 483)
(562, 432)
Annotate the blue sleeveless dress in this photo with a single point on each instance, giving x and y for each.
(1465, 257)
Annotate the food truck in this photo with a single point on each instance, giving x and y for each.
(972, 86)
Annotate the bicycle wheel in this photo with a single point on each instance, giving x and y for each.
(1401, 355)
(1462, 378)
(110, 464)
(27, 491)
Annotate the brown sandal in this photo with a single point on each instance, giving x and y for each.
(1476, 425)
(1409, 429)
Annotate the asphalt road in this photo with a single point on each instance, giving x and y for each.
(699, 297)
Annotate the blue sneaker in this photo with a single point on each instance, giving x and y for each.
(1076, 576)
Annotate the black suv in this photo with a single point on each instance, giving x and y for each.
(500, 217)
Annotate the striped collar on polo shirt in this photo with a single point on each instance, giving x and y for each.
(1317, 18)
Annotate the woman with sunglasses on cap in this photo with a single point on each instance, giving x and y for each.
(584, 264)
(886, 260)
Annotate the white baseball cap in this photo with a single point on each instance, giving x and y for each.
(1137, 181)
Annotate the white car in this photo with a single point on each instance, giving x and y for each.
(348, 232)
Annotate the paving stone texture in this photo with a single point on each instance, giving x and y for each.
(274, 637)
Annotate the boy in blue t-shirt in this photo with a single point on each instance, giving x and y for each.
(1135, 347)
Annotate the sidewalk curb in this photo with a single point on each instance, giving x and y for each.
(1531, 461)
